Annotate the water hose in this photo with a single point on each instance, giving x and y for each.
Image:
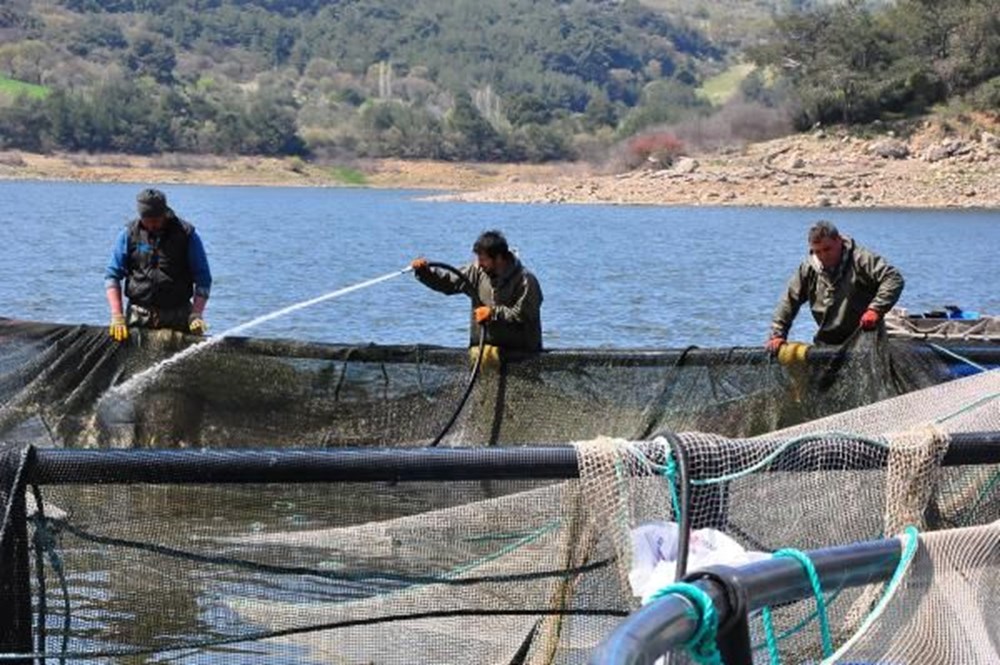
(683, 509)
(474, 374)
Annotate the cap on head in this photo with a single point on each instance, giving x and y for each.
(151, 203)
(492, 244)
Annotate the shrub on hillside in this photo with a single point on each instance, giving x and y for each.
(986, 97)
(654, 150)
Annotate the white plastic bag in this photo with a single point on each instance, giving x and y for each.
(654, 555)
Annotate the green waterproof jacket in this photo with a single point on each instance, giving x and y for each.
(863, 280)
(515, 296)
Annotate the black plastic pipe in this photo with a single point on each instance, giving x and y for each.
(477, 365)
(67, 467)
(668, 623)
(986, 353)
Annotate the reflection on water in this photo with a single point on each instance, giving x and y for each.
(166, 567)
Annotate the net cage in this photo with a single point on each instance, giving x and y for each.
(929, 598)
(286, 523)
(73, 386)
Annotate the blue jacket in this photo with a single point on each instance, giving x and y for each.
(161, 270)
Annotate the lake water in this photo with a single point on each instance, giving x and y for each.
(617, 276)
(612, 276)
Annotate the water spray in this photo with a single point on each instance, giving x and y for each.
(141, 379)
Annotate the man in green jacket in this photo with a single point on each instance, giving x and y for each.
(505, 296)
(847, 287)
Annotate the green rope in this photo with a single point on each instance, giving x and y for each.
(774, 454)
(669, 471)
(774, 656)
(702, 646)
(970, 511)
(968, 407)
(956, 356)
(905, 559)
(800, 626)
(821, 614)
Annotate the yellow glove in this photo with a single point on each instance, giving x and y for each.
(491, 356)
(197, 325)
(792, 353)
(118, 330)
(483, 314)
(419, 264)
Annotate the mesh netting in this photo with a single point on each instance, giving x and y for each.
(493, 571)
(942, 609)
(836, 480)
(74, 386)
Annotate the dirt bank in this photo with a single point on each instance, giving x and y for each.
(935, 167)
(930, 169)
(266, 171)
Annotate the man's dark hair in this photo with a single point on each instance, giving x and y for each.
(492, 244)
(822, 229)
(151, 203)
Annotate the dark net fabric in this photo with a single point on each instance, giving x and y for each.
(493, 571)
(462, 572)
(73, 386)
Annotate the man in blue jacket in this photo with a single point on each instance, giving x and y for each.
(162, 261)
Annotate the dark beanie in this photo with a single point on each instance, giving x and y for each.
(151, 203)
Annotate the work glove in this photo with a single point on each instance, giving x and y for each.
(869, 319)
(483, 314)
(774, 344)
(118, 330)
(419, 264)
(196, 324)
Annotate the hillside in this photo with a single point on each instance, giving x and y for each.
(512, 80)
(933, 163)
(515, 81)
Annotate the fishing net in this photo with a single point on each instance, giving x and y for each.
(941, 609)
(856, 476)
(502, 570)
(73, 386)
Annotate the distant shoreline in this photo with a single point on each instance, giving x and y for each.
(818, 170)
(264, 171)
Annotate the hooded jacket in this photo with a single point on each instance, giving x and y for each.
(862, 280)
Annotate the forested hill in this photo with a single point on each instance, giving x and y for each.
(481, 79)
(515, 80)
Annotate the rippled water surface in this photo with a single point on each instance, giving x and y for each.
(619, 276)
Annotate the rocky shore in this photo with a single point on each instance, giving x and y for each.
(822, 169)
(936, 167)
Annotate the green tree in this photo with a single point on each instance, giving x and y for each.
(23, 123)
(477, 138)
(270, 124)
(151, 55)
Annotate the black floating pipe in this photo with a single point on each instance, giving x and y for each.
(15, 569)
(66, 467)
(668, 623)
(985, 353)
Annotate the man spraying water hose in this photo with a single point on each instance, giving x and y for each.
(506, 297)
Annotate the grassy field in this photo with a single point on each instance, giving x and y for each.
(12, 88)
(721, 87)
